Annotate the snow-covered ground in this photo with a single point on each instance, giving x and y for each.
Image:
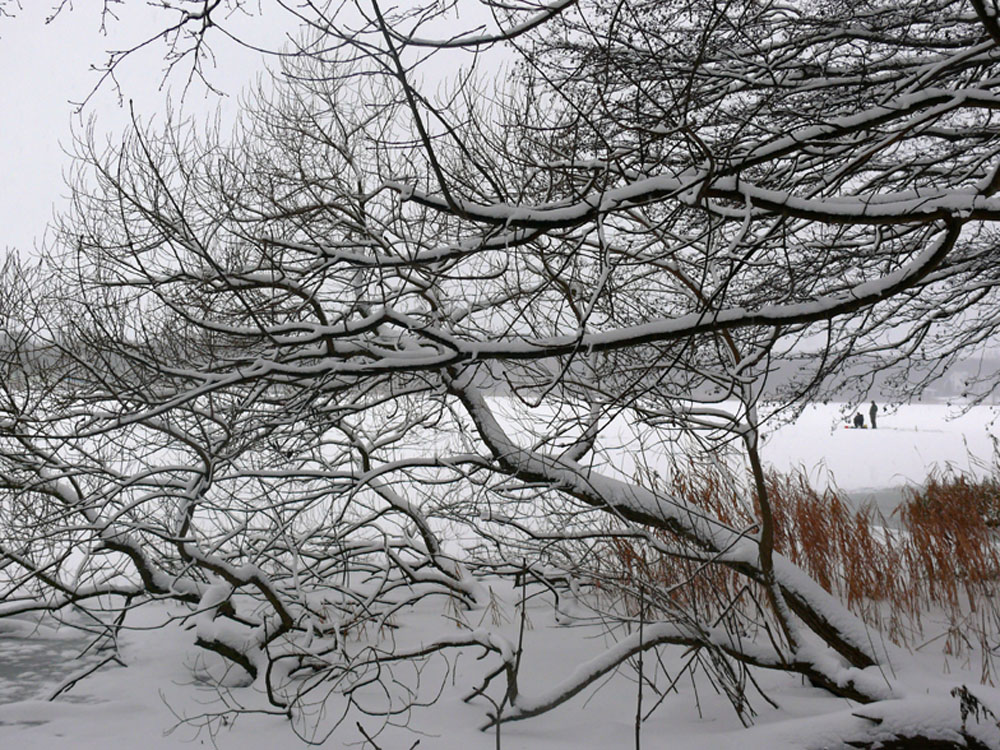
(140, 704)
(143, 703)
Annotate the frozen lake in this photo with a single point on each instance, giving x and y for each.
(875, 465)
(34, 662)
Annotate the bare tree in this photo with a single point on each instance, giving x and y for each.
(276, 364)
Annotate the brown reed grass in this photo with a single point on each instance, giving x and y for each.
(940, 559)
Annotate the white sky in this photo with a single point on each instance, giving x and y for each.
(45, 67)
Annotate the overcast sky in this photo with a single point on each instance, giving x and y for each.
(46, 67)
(46, 71)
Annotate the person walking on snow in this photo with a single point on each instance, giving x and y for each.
(871, 414)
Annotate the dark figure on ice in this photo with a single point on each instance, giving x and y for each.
(859, 421)
(872, 411)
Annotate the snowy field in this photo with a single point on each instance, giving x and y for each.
(140, 705)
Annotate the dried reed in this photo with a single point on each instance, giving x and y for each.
(941, 559)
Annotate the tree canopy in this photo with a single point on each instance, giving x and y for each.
(281, 367)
